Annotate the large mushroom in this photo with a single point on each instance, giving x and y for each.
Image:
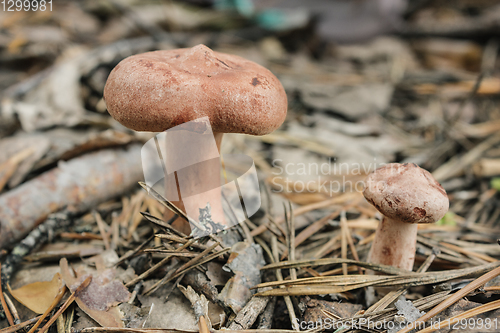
(159, 90)
(406, 195)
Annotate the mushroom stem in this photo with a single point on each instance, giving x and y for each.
(218, 140)
(201, 184)
(394, 244)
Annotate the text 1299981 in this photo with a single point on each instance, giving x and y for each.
(26, 5)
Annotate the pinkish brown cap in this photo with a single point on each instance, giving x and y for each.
(407, 193)
(158, 90)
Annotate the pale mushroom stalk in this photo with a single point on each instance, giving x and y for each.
(204, 182)
(406, 195)
(394, 244)
(157, 91)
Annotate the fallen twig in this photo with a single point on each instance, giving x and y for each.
(266, 318)
(200, 307)
(464, 315)
(81, 183)
(456, 297)
(247, 316)
(15, 328)
(335, 284)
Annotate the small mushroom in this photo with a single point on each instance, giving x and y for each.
(156, 91)
(406, 195)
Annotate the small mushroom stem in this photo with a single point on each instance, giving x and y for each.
(202, 183)
(394, 244)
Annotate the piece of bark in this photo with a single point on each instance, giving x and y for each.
(266, 318)
(79, 184)
(245, 262)
(199, 304)
(247, 316)
(202, 285)
(199, 282)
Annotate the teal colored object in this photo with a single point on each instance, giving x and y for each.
(271, 19)
(283, 19)
(244, 7)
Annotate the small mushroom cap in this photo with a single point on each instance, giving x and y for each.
(407, 193)
(158, 90)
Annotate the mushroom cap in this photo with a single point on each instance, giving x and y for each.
(155, 91)
(407, 193)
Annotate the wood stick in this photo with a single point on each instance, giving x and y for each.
(17, 327)
(464, 315)
(12, 309)
(100, 223)
(82, 183)
(456, 297)
(248, 315)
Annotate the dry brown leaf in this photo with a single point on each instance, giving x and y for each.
(38, 296)
(100, 299)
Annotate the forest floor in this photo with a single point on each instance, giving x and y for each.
(368, 83)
